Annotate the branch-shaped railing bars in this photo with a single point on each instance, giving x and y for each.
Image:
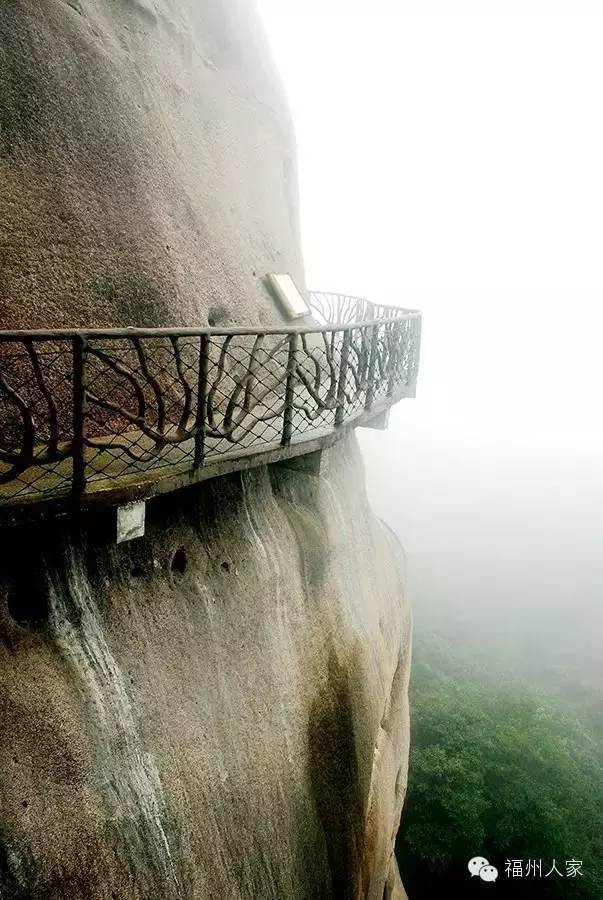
(82, 412)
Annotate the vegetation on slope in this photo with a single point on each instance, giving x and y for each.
(502, 770)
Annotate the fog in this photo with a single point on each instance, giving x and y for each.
(453, 163)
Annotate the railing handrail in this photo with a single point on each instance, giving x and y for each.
(88, 410)
(68, 334)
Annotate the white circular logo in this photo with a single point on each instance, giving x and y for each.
(476, 864)
(479, 865)
(488, 873)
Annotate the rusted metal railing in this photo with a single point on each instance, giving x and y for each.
(85, 412)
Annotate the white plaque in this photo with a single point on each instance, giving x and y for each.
(285, 289)
(130, 521)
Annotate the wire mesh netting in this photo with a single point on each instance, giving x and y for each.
(91, 411)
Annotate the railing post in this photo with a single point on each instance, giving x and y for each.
(415, 332)
(79, 415)
(201, 419)
(343, 374)
(290, 389)
(393, 358)
(370, 385)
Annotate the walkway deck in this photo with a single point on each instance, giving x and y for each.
(92, 417)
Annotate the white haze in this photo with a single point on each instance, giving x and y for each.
(454, 162)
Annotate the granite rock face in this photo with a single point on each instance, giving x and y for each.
(218, 709)
(147, 164)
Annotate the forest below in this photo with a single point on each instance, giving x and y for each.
(504, 566)
(503, 765)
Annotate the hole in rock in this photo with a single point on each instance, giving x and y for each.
(179, 562)
(217, 315)
(28, 601)
(226, 567)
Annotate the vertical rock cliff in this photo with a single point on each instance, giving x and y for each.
(147, 164)
(219, 709)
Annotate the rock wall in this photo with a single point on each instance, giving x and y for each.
(147, 164)
(218, 710)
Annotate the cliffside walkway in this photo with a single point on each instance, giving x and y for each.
(111, 416)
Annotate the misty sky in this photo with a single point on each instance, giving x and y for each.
(455, 163)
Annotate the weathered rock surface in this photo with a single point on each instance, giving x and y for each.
(217, 710)
(147, 164)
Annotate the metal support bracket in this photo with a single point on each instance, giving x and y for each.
(380, 422)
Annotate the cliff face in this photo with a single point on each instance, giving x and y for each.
(147, 164)
(218, 709)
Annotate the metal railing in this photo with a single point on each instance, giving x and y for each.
(86, 412)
